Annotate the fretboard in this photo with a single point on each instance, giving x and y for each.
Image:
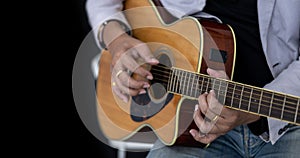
(236, 95)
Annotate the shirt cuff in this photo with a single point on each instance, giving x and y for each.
(277, 129)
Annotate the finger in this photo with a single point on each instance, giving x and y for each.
(129, 82)
(126, 89)
(145, 53)
(201, 123)
(202, 101)
(129, 63)
(217, 74)
(213, 105)
(206, 139)
(198, 119)
(205, 108)
(126, 83)
(207, 126)
(119, 94)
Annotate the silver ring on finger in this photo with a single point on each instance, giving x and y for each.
(119, 73)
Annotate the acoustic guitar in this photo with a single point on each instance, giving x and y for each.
(185, 47)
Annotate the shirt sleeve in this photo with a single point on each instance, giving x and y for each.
(287, 82)
(182, 8)
(99, 11)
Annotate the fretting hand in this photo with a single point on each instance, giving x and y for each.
(217, 120)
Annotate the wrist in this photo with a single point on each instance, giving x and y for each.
(110, 30)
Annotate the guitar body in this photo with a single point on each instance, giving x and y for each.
(187, 44)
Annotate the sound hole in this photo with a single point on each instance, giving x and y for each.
(145, 106)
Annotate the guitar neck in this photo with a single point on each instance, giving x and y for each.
(236, 95)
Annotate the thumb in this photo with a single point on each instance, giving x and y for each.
(217, 74)
(146, 54)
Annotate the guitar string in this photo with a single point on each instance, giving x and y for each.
(270, 93)
(274, 103)
(247, 92)
(279, 110)
(262, 104)
(244, 98)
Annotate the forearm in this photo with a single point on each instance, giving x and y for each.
(100, 11)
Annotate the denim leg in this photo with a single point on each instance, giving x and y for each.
(287, 146)
(226, 146)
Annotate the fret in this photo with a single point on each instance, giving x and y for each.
(202, 84)
(188, 85)
(170, 80)
(207, 84)
(222, 91)
(250, 97)
(192, 86)
(175, 78)
(216, 87)
(265, 102)
(245, 98)
(213, 84)
(290, 108)
(277, 105)
(197, 84)
(229, 93)
(255, 100)
(241, 95)
(296, 115)
(232, 97)
(259, 104)
(183, 79)
(271, 104)
(219, 89)
(225, 92)
(237, 96)
(177, 88)
(181, 84)
(283, 105)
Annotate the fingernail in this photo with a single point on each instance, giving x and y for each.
(150, 77)
(196, 107)
(153, 60)
(142, 91)
(192, 133)
(146, 85)
(209, 70)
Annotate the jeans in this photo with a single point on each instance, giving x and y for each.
(239, 142)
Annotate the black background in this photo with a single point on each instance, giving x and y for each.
(82, 142)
